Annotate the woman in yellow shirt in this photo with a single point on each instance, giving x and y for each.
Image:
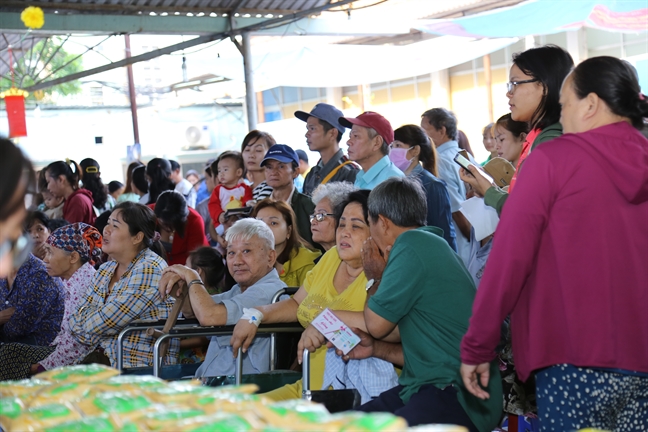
(295, 256)
(337, 282)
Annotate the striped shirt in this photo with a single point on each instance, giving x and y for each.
(261, 191)
(103, 313)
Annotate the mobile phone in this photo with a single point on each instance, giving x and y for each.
(465, 163)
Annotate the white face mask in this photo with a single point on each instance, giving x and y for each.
(399, 157)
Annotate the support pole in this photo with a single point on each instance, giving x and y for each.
(250, 95)
(131, 92)
(488, 77)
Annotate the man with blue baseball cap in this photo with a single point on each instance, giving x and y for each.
(281, 165)
(323, 134)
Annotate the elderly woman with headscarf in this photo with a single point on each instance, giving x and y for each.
(70, 252)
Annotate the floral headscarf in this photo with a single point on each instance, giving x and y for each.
(78, 237)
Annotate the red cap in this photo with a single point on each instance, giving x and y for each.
(373, 120)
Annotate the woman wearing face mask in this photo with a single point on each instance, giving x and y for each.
(69, 254)
(410, 149)
(533, 90)
(16, 176)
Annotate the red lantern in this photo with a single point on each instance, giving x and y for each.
(15, 105)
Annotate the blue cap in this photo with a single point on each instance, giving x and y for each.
(326, 112)
(282, 153)
(301, 154)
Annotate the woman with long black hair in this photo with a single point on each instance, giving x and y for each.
(63, 181)
(533, 91)
(158, 173)
(92, 182)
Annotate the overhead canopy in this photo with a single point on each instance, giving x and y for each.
(538, 17)
(333, 65)
(130, 7)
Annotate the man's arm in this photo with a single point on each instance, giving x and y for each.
(462, 223)
(205, 309)
(370, 347)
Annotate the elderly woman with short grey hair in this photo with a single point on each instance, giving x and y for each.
(327, 197)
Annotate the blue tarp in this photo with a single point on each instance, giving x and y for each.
(537, 17)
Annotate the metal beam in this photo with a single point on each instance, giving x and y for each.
(112, 24)
(92, 8)
(184, 45)
(141, 24)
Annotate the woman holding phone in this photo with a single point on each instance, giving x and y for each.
(533, 91)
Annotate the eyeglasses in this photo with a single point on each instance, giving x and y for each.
(319, 217)
(510, 86)
(19, 249)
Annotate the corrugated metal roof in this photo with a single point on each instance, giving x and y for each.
(134, 7)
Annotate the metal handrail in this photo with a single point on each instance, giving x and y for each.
(306, 391)
(273, 336)
(139, 326)
(215, 331)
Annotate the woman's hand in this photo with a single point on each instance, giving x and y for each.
(470, 374)
(6, 314)
(311, 339)
(33, 370)
(244, 334)
(473, 177)
(39, 251)
(373, 262)
(175, 279)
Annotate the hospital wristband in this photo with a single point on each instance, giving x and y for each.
(253, 316)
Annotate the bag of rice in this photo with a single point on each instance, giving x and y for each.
(23, 388)
(10, 408)
(124, 406)
(129, 383)
(59, 393)
(41, 417)
(79, 373)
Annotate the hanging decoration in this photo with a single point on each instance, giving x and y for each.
(33, 17)
(15, 106)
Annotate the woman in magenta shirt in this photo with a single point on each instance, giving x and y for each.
(569, 262)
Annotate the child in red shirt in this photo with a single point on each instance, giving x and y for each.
(231, 192)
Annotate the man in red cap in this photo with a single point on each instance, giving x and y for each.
(368, 144)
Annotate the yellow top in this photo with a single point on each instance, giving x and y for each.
(322, 295)
(297, 267)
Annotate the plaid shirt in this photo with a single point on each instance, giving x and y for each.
(102, 314)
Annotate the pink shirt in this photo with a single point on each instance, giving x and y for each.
(68, 350)
(570, 258)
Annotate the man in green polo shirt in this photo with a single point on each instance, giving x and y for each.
(421, 286)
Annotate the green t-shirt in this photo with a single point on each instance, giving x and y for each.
(428, 292)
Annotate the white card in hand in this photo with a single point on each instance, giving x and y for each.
(336, 331)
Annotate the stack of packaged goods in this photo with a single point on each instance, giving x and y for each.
(96, 398)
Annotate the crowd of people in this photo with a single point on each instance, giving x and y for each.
(541, 319)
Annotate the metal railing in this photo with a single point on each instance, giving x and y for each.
(215, 331)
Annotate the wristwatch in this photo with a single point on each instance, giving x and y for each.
(370, 283)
